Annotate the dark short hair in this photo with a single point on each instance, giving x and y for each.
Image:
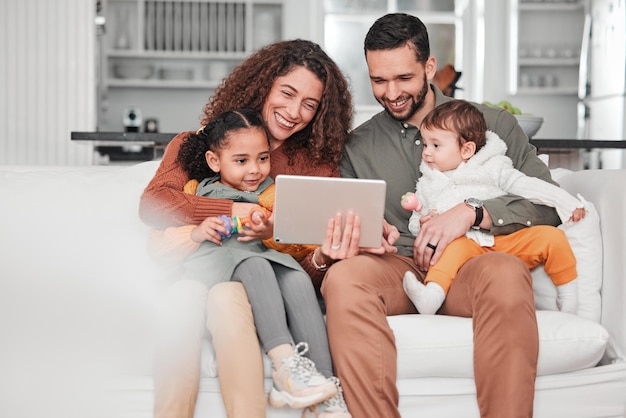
(461, 117)
(394, 30)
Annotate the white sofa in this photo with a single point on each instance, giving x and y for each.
(77, 296)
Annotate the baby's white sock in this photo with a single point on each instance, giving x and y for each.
(567, 297)
(426, 298)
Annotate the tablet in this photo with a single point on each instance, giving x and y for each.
(304, 204)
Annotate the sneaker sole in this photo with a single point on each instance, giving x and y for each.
(308, 413)
(280, 399)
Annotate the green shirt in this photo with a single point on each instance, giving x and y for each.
(384, 148)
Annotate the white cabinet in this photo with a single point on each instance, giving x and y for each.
(183, 44)
(166, 57)
(544, 46)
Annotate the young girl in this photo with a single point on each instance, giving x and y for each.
(231, 158)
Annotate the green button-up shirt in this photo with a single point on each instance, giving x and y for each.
(384, 148)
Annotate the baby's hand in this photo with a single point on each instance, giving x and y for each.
(578, 214)
(410, 202)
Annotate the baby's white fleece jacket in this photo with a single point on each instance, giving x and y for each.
(486, 175)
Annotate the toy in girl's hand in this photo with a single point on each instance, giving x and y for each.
(410, 202)
(237, 223)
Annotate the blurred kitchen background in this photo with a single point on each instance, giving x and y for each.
(151, 65)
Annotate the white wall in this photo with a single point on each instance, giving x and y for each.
(47, 81)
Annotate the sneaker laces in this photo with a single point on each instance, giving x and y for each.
(337, 402)
(301, 366)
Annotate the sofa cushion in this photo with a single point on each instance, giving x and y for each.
(442, 346)
(585, 238)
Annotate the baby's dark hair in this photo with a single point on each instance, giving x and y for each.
(213, 137)
(461, 117)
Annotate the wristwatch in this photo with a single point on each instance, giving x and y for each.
(477, 205)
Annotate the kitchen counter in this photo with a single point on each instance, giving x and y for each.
(578, 143)
(162, 139)
(126, 146)
(117, 144)
(151, 138)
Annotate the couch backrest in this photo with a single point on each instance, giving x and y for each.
(605, 189)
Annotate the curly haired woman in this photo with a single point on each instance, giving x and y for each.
(306, 105)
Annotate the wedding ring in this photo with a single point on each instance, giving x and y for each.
(335, 247)
(431, 246)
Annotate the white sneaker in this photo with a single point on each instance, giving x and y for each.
(334, 407)
(297, 382)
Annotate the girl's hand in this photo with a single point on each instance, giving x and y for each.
(260, 227)
(210, 230)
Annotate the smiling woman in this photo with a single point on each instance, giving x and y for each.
(306, 105)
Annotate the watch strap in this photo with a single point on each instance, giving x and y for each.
(479, 217)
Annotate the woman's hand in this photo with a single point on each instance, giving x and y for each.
(211, 229)
(344, 243)
(242, 209)
(340, 244)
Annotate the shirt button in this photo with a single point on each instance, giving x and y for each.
(402, 132)
(500, 221)
(528, 223)
(406, 125)
(417, 142)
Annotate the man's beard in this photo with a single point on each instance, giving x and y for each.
(416, 104)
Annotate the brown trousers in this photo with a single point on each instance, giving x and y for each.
(494, 289)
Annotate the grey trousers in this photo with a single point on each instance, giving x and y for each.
(285, 308)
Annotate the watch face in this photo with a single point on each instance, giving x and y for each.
(472, 201)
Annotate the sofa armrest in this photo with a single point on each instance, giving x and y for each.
(605, 189)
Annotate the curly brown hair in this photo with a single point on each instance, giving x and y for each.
(249, 84)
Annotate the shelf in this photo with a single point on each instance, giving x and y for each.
(162, 84)
(562, 6)
(548, 62)
(565, 90)
(194, 55)
(183, 43)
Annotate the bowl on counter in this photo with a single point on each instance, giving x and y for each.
(176, 73)
(530, 124)
(133, 71)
